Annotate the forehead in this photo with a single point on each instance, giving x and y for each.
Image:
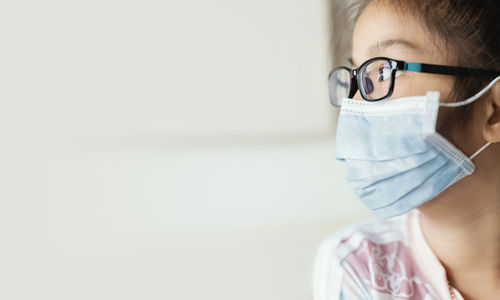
(382, 31)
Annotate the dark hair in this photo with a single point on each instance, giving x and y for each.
(470, 30)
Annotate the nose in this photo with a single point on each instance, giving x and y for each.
(357, 96)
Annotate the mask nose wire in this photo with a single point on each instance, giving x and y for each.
(473, 98)
(479, 151)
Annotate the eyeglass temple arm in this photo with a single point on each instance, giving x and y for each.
(445, 70)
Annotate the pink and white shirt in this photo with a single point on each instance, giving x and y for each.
(380, 260)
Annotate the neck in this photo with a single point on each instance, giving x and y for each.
(462, 227)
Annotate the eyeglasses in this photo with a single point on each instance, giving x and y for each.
(375, 78)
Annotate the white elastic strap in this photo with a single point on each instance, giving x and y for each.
(480, 150)
(473, 98)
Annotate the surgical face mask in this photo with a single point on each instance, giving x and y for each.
(395, 159)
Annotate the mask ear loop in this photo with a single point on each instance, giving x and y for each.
(473, 98)
(469, 101)
(479, 151)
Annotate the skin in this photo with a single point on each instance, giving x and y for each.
(462, 224)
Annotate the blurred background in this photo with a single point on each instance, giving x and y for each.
(168, 149)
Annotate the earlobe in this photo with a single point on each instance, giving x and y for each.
(492, 128)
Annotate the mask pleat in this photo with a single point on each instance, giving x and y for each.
(389, 137)
(395, 158)
(425, 191)
(382, 193)
(374, 171)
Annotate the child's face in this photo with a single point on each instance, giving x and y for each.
(412, 42)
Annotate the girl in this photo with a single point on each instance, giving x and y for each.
(419, 131)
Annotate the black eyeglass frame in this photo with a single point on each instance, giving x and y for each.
(400, 65)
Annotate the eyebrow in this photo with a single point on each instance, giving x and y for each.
(382, 45)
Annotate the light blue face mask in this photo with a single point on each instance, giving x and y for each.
(395, 159)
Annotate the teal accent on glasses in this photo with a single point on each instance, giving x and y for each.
(414, 67)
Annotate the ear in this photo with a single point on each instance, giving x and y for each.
(492, 126)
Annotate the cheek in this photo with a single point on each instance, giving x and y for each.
(449, 126)
(444, 120)
(463, 132)
(406, 85)
(418, 84)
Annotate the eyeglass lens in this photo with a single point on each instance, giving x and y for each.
(340, 85)
(374, 81)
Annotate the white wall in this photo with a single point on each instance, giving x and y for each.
(166, 149)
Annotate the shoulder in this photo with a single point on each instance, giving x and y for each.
(339, 245)
(350, 259)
